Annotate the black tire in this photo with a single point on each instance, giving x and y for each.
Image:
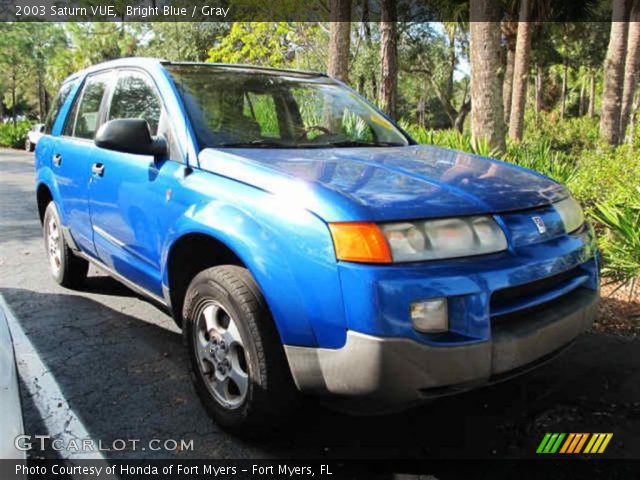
(66, 268)
(28, 146)
(271, 395)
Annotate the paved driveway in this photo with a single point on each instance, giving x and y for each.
(119, 364)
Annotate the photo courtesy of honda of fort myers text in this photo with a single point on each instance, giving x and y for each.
(331, 239)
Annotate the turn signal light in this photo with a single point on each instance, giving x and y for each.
(360, 242)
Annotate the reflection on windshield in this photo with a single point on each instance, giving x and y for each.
(260, 110)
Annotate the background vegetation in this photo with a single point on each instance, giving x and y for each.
(560, 98)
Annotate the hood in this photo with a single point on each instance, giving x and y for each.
(381, 184)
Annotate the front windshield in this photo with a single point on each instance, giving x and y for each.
(261, 110)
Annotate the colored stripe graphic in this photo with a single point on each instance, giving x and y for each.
(567, 442)
(573, 443)
(581, 442)
(606, 441)
(543, 443)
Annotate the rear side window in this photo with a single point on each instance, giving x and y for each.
(64, 92)
(84, 119)
(135, 97)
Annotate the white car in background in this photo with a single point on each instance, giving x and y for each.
(11, 418)
(33, 136)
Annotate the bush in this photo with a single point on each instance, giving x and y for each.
(14, 136)
(621, 243)
(607, 175)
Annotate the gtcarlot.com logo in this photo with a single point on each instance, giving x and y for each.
(574, 443)
(42, 442)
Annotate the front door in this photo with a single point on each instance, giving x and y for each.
(130, 197)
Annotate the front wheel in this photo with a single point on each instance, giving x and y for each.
(235, 354)
(28, 146)
(66, 269)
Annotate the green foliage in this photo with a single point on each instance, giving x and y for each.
(14, 136)
(449, 139)
(183, 41)
(569, 136)
(621, 243)
(540, 157)
(606, 174)
(260, 43)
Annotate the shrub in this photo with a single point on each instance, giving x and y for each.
(14, 136)
(539, 156)
(607, 175)
(621, 243)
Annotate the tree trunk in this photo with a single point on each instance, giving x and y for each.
(14, 113)
(421, 111)
(632, 63)
(539, 82)
(520, 74)
(581, 101)
(361, 84)
(563, 94)
(388, 57)
(339, 39)
(374, 86)
(633, 121)
(509, 29)
(592, 95)
(613, 75)
(487, 111)
(41, 111)
(458, 124)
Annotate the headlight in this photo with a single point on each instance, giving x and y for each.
(447, 238)
(571, 213)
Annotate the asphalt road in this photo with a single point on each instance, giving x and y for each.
(119, 363)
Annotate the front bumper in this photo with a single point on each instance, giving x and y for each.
(398, 372)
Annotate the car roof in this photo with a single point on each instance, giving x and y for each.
(151, 63)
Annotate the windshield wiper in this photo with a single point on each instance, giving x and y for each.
(359, 143)
(252, 144)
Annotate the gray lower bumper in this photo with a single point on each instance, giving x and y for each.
(395, 371)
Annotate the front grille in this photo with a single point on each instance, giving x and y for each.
(512, 298)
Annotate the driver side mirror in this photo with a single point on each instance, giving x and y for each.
(130, 135)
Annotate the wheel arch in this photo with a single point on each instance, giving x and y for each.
(188, 255)
(43, 198)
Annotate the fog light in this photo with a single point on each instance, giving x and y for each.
(430, 316)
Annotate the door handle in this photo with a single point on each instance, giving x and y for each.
(57, 159)
(97, 169)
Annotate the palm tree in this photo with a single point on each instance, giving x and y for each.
(509, 31)
(339, 39)
(631, 66)
(388, 57)
(487, 111)
(614, 74)
(520, 73)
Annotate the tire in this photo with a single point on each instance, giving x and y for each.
(28, 146)
(217, 299)
(66, 269)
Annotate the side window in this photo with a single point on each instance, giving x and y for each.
(84, 119)
(57, 105)
(135, 97)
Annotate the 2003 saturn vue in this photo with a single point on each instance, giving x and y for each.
(303, 241)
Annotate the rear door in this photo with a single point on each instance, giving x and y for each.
(72, 157)
(132, 200)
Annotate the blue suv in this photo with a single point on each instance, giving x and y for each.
(303, 241)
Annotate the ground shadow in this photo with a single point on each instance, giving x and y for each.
(126, 377)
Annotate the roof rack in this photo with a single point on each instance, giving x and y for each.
(238, 66)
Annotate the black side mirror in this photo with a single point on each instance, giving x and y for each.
(130, 135)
